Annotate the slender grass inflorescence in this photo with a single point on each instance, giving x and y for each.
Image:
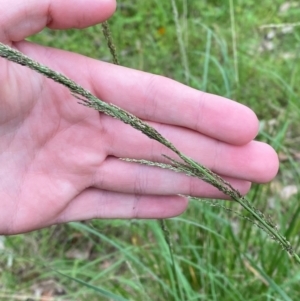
(189, 166)
(110, 44)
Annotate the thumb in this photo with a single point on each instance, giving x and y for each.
(24, 18)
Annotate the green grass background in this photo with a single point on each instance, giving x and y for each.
(218, 255)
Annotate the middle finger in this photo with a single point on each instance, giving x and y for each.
(251, 162)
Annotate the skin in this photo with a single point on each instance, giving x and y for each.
(59, 160)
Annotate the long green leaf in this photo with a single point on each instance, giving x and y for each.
(99, 290)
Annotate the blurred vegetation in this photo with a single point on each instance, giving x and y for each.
(218, 255)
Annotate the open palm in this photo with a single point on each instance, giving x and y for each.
(59, 160)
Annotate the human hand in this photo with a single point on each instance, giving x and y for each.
(59, 160)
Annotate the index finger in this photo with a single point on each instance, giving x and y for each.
(160, 99)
